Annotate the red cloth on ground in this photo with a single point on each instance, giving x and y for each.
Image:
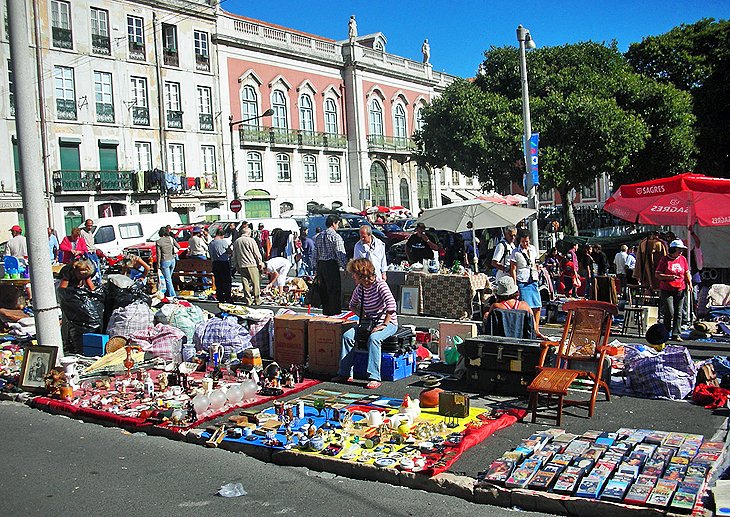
(471, 437)
(422, 353)
(712, 397)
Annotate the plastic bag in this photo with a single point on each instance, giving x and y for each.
(232, 490)
(83, 312)
(125, 321)
(181, 317)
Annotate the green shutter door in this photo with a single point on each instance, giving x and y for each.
(108, 158)
(70, 160)
(72, 218)
(258, 208)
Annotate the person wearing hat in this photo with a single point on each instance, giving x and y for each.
(508, 296)
(673, 274)
(657, 336)
(421, 245)
(17, 246)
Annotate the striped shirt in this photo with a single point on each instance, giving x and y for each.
(328, 245)
(377, 300)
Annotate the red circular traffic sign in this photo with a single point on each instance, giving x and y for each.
(236, 206)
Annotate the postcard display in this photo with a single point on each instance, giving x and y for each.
(656, 469)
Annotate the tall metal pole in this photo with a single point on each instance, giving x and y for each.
(523, 35)
(45, 306)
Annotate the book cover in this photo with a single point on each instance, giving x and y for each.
(638, 493)
(664, 453)
(563, 459)
(645, 448)
(590, 487)
(556, 448)
(674, 440)
(584, 463)
(616, 488)
(654, 467)
(591, 435)
(515, 455)
(545, 477)
(554, 432)
(698, 469)
(683, 502)
(565, 438)
(568, 480)
(656, 437)
(712, 446)
(522, 475)
(577, 447)
(499, 471)
(606, 439)
(661, 496)
(594, 452)
(631, 471)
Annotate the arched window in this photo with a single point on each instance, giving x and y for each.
(423, 177)
(285, 207)
(278, 104)
(333, 163)
(310, 168)
(249, 106)
(306, 113)
(283, 168)
(376, 118)
(418, 117)
(330, 117)
(405, 194)
(399, 122)
(253, 164)
(378, 185)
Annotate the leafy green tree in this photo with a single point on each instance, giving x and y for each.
(588, 105)
(696, 59)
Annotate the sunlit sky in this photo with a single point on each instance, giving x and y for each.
(460, 31)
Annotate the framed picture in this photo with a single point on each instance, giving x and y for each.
(37, 362)
(409, 297)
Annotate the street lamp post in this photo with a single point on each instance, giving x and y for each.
(232, 123)
(526, 41)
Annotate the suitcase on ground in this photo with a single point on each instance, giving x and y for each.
(401, 342)
(501, 365)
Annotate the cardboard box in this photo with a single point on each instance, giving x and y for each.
(290, 339)
(325, 343)
(462, 329)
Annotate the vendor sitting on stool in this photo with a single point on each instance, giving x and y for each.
(374, 295)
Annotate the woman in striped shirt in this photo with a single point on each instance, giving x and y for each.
(377, 301)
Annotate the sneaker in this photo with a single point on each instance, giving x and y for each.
(677, 339)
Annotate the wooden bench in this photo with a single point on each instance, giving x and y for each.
(189, 273)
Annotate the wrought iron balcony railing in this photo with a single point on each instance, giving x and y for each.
(174, 119)
(104, 112)
(66, 109)
(140, 116)
(101, 44)
(390, 143)
(274, 136)
(62, 38)
(206, 122)
(66, 181)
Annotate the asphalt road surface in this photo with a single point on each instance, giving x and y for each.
(54, 465)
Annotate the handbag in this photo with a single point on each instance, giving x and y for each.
(365, 325)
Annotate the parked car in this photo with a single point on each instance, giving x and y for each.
(408, 225)
(451, 248)
(350, 222)
(393, 232)
(147, 251)
(352, 235)
(113, 234)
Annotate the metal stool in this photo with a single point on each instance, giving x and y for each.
(639, 316)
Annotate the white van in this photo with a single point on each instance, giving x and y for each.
(113, 234)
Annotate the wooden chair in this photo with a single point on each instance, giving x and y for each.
(584, 341)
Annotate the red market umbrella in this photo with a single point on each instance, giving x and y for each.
(378, 210)
(681, 200)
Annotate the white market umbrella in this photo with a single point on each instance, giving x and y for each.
(482, 214)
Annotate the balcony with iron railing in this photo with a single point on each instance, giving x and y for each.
(174, 119)
(67, 182)
(206, 121)
(275, 136)
(170, 57)
(391, 143)
(202, 63)
(104, 112)
(12, 105)
(101, 44)
(62, 38)
(137, 51)
(66, 109)
(140, 116)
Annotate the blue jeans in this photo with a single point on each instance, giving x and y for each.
(168, 267)
(347, 355)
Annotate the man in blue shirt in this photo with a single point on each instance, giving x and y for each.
(306, 255)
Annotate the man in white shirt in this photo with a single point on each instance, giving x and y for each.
(620, 262)
(503, 252)
(277, 269)
(373, 249)
(17, 246)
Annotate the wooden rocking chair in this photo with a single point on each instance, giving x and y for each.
(584, 341)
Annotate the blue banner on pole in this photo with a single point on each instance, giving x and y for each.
(534, 173)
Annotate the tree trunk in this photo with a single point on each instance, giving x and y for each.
(570, 228)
